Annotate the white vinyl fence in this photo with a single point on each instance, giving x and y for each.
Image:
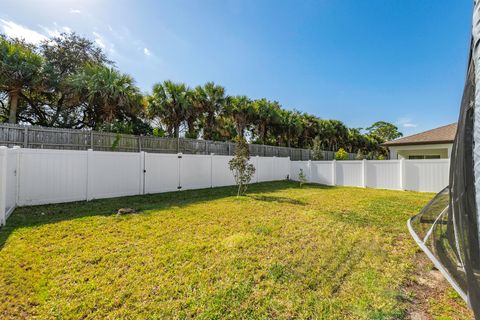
(43, 176)
(413, 175)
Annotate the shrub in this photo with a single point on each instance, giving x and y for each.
(242, 170)
(341, 154)
(360, 155)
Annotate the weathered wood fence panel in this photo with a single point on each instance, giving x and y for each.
(70, 139)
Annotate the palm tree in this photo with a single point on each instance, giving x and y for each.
(241, 110)
(289, 127)
(210, 100)
(20, 67)
(311, 126)
(267, 114)
(109, 94)
(169, 102)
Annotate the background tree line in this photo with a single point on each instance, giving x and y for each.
(69, 82)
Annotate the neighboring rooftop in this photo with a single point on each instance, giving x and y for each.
(445, 134)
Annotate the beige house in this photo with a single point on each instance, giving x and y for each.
(432, 144)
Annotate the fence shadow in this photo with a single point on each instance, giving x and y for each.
(34, 216)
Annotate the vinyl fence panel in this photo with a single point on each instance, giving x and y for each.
(162, 172)
(51, 176)
(114, 174)
(426, 175)
(349, 173)
(221, 174)
(296, 166)
(265, 169)
(195, 171)
(281, 168)
(322, 172)
(384, 174)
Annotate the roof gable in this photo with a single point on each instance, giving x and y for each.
(445, 134)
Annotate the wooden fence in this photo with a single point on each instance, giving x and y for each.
(71, 139)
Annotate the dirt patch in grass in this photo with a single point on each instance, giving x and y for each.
(429, 296)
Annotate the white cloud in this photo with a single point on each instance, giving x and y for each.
(56, 31)
(103, 43)
(15, 30)
(99, 40)
(406, 123)
(146, 52)
(76, 11)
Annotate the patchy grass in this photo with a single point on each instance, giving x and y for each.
(280, 252)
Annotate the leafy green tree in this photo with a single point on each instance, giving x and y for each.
(169, 102)
(110, 94)
(243, 171)
(341, 154)
(20, 69)
(225, 128)
(384, 130)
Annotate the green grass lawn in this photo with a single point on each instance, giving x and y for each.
(280, 252)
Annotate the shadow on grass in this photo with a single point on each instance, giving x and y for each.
(39, 215)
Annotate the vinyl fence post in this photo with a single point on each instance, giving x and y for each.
(334, 172)
(309, 179)
(402, 175)
(364, 173)
(179, 157)
(256, 167)
(3, 185)
(142, 173)
(211, 169)
(89, 175)
(17, 174)
(275, 170)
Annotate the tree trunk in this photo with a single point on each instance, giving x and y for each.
(176, 130)
(13, 107)
(208, 130)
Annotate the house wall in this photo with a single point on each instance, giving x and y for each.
(403, 152)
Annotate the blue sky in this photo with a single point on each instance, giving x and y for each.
(356, 61)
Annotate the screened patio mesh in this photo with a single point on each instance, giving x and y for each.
(447, 229)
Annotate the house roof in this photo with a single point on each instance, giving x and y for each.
(445, 134)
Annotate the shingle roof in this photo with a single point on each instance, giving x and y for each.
(445, 134)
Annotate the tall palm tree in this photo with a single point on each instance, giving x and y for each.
(241, 110)
(267, 114)
(210, 100)
(311, 126)
(109, 94)
(169, 102)
(20, 67)
(290, 127)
